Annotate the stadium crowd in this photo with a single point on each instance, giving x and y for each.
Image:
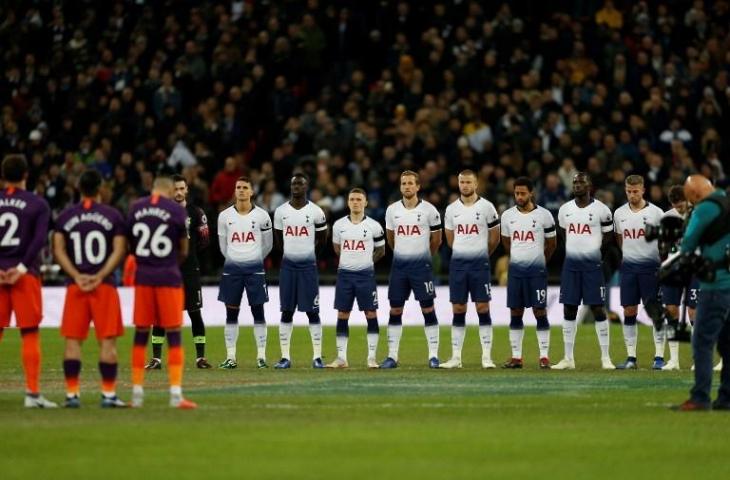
(352, 93)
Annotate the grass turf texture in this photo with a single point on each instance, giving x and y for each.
(407, 423)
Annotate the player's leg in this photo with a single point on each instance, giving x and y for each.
(630, 297)
(75, 322)
(106, 311)
(458, 296)
(486, 334)
(230, 292)
(258, 294)
(194, 305)
(517, 291)
(594, 294)
(158, 340)
(71, 372)
(373, 336)
(25, 300)
(308, 301)
(672, 298)
(570, 297)
(170, 303)
(538, 296)
(649, 291)
(344, 300)
(366, 292)
(145, 313)
(287, 302)
(424, 292)
(398, 292)
(108, 367)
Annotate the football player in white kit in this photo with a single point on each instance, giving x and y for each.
(359, 242)
(472, 231)
(413, 231)
(300, 230)
(639, 267)
(245, 239)
(588, 224)
(529, 238)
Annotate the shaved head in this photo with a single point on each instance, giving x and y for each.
(164, 186)
(697, 187)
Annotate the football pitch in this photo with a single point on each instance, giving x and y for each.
(350, 424)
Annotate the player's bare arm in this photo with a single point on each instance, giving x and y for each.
(390, 237)
(449, 237)
(507, 244)
(493, 239)
(435, 241)
(550, 245)
(378, 253)
(62, 258)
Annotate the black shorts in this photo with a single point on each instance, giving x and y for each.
(193, 292)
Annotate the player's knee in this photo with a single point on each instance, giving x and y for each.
(599, 313)
(485, 318)
(395, 319)
(429, 317)
(482, 307)
(257, 312)
(28, 330)
(672, 311)
(287, 317)
(396, 310)
(570, 312)
(631, 310)
(174, 338)
(141, 335)
(342, 329)
(542, 321)
(313, 318)
(426, 304)
(232, 315)
(459, 319)
(515, 322)
(458, 308)
(373, 326)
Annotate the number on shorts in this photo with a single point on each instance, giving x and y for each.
(316, 301)
(488, 289)
(693, 294)
(9, 239)
(155, 243)
(429, 287)
(375, 298)
(541, 295)
(603, 293)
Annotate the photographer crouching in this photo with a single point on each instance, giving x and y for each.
(708, 228)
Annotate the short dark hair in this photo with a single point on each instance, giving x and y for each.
(300, 175)
(358, 190)
(524, 182)
(90, 183)
(676, 194)
(244, 178)
(179, 178)
(14, 168)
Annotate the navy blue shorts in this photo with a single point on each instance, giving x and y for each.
(299, 289)
(673, 295)
(638, 288)
(233, 285)
(586, 286)
(474, 283)
(356, 285)
(402, 282)
(527, 292)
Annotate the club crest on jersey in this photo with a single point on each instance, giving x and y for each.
(520, 236)
(307, 220)
(353, 245)
(408, 230)
(634, 233)
(590, 217)
(468, 229)
(242, 237)
(296, 230)
(579, 228)
(477, 214)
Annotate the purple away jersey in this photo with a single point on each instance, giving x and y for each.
(155, 226)
(89, 229)
(24, 221)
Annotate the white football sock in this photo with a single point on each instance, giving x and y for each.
(260, 332)
(457, 341)
(315, 331)
(570, 329)
(631, 335)
(543, 342)
(674, 351)
(285, 331)
(432, 338)
(341, 342)
(372, 344)
(230, 332)
(602, 332)
(394, 334)
(515, 340)
(485, 335)
(658, 342)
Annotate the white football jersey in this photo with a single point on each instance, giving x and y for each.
(412, 229)
(527, 232)
(672, 212)
(298, 228)
(584, 229)
(357, 242)
(471, 225)
(245, 240)
(638, 254)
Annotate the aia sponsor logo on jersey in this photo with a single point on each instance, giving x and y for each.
(242, 237)
(353, 245)
(296, 231)
(467, 229)
(579, 229)
(520, 236)
(408, 230)
(634, 233)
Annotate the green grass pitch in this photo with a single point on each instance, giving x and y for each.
(408, 423)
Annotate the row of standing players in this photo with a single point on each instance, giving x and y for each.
(90, 239)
